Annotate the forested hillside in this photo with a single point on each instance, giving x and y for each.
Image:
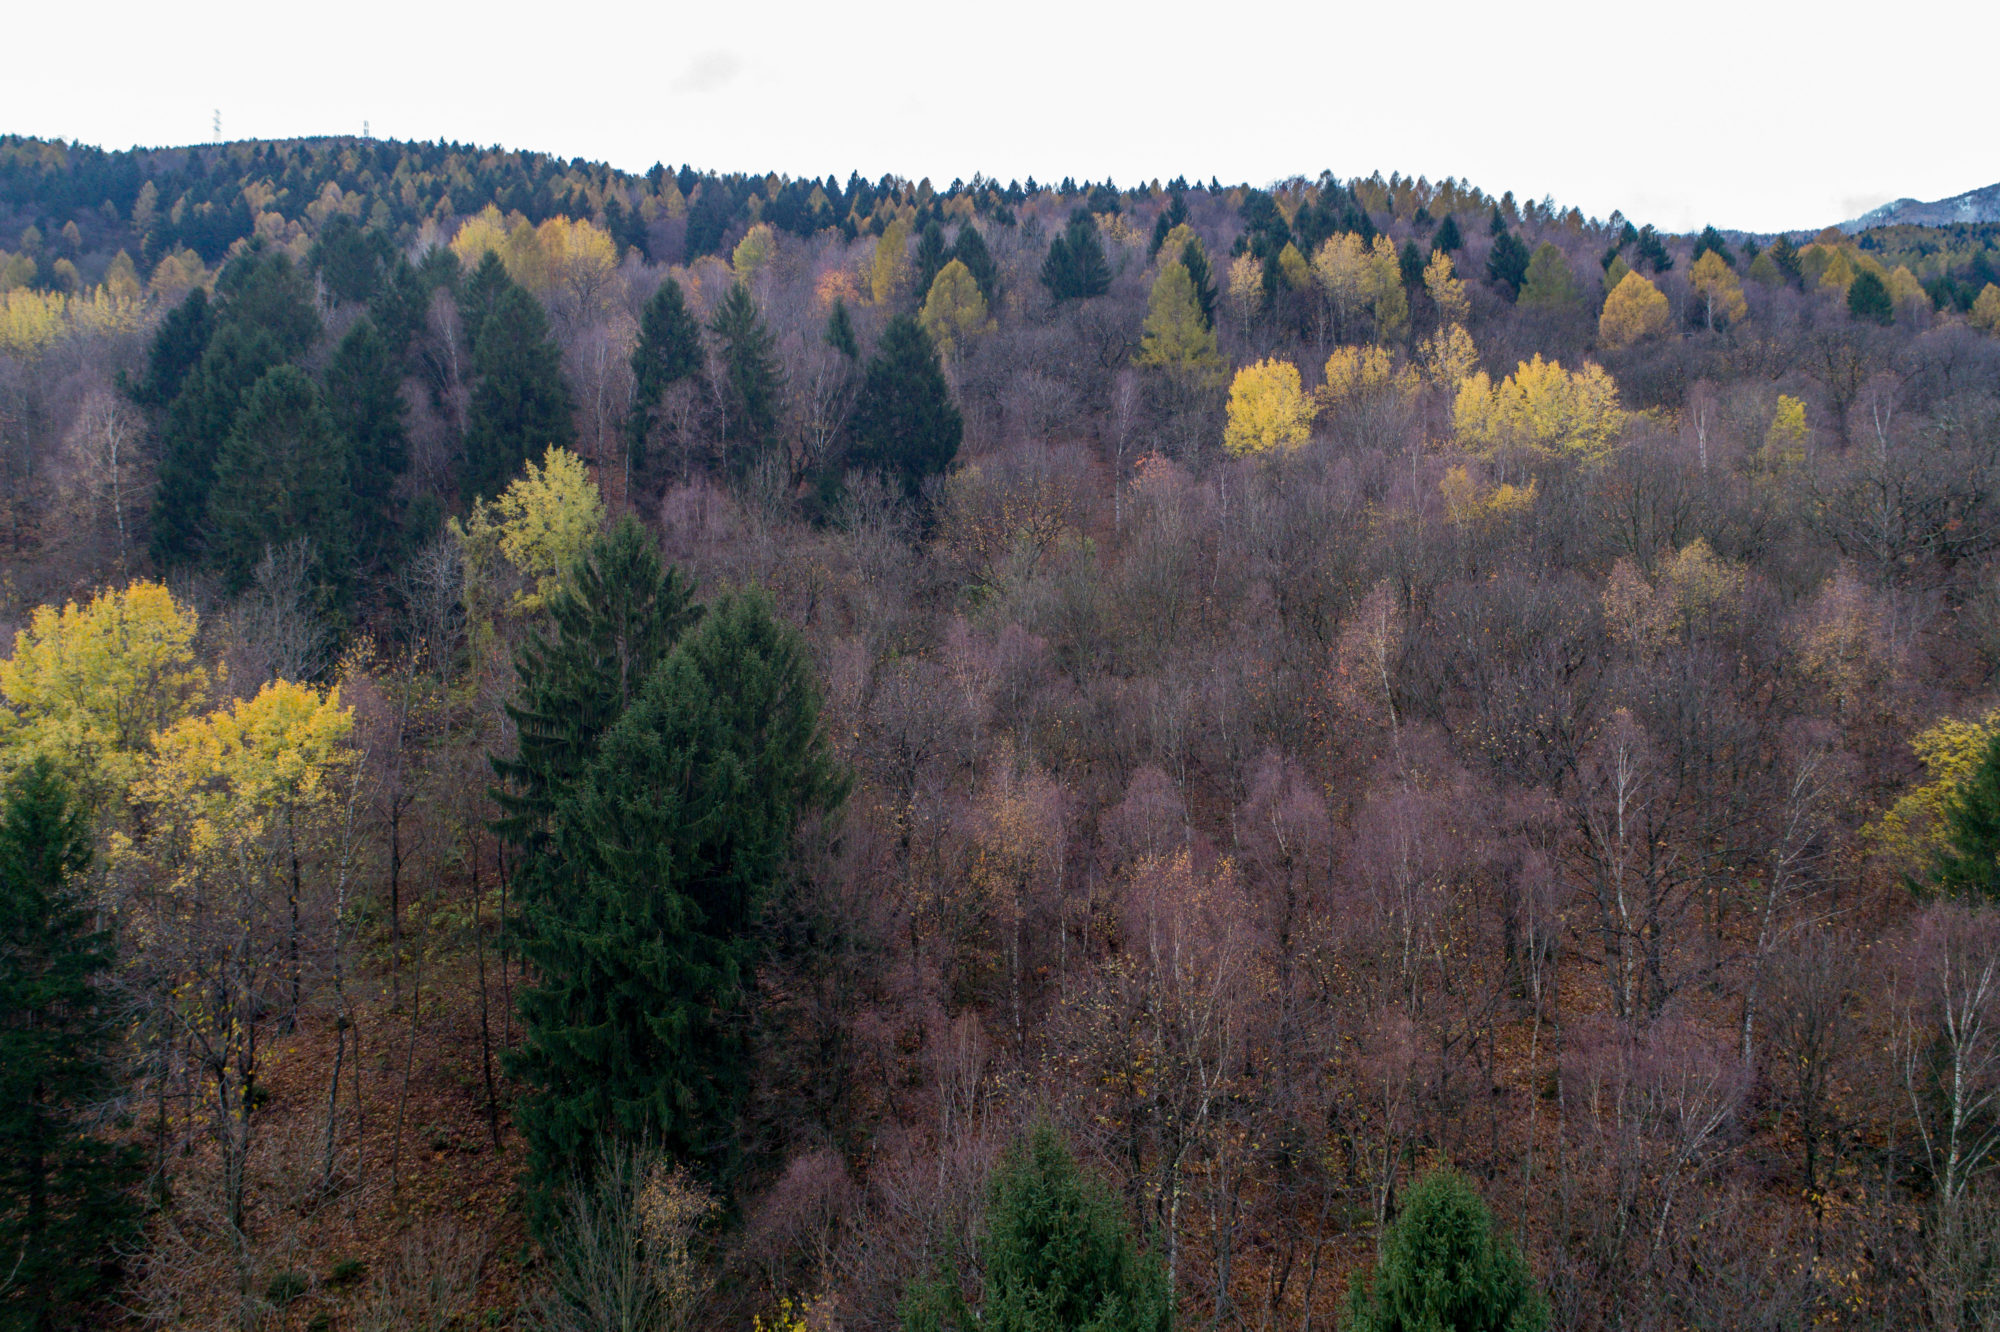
(685, 751)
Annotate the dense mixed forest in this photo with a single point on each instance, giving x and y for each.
(587, 750)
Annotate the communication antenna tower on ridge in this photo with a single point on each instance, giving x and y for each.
(364, 131)
(218, 124)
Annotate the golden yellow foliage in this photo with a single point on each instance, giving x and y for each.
(1246, 287)
(1360, 374)
(1904, 287)
(1268, 410)
(1447, 292)
(836, 284)
(1716, 287)
(954, 312)
(1467, 504)
(1292, 265)
(1448, 357)
(88, 687)
(1785, 439)
(1839, 271)
(176, 275)
(485, 230)
(1635, 310)
(33, 321)
(1384, 287)
(540, 524)
(1912, 830)
(1341, 266)
(121, 279)
(1695, 591)
(890, 271)
(1986, 309)
(1541, 408)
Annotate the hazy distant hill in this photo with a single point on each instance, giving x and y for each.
(1981, 205)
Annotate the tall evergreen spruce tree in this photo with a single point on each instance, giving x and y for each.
(1448, 238)
(931, 256)
(478, 292)
(1968, 863)
(1507, 262)
(199, 419)
(1056, 1252)
(904, 424)
(840, 331)
(756, 386)
(668, 351)
(1868, 298)
(520, 405)
(970, 249)
(668, 850)
(64, 1191)
(616, 619)
(1074, 268)
(282, 473)
(1444, 1268)
(364, 398)
(175, 351)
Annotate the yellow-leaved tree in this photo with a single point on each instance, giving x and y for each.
(1448, 358)
(754, 253)
(1368, 397)
(889, 272)
(1986, 309)
(1447, 293)
(247, 834)
(1246, 288)
(954, 311)
(89, 686)
(1716, 287)
(1293, 267)
(1541, 408)
(1340, 266)
(1176, 339)
(1386, 297)
(1785, 439)
(1634, 311)
(539, 525)
(1268, 410)
(1912, 830)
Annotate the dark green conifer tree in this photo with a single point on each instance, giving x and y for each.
(1711, 239)
(669, 849)
(1056, 1253)
(478, 294)
(1967, 865)
(1170, 217)
(282, 473)
(840, 331)
(1195, 259)
(610, 624)
(668, 351)
(756, 386)
(1868, 298)
(905, 426)
(364, 398)
(351, 261)
(1507, 263)
(1074, 268)
(931, 255)
(1786, 256)
(176, 350)
(195, 425)
(1448, 238)
(1445, 1269)
(970, 249)
(65, 1199)
(520, 407)
(1411, 261)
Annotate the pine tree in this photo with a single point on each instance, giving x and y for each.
(931, 256)
(1410, 262)
(1056, 1252)
(176, 350)
(364, 398)
(1711, 242)
(1444, 1269)
(268, 293)
(1448, 238)
(904, 425)
(282, 473)
(1170, 217)
(1507, 263)
(669, 848)
(1967, 865)
(1074, 268)
(840, 331)
(668, 351)
(64, 1192)
(520, 405)
(615, 619)
(1868, 298)
(194, 427)
(755, 385)
(478, 293)
(1195, 259)
(970, 249)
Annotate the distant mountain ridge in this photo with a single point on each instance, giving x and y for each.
(1980, 205)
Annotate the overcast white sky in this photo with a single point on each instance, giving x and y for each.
(1757, 115)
